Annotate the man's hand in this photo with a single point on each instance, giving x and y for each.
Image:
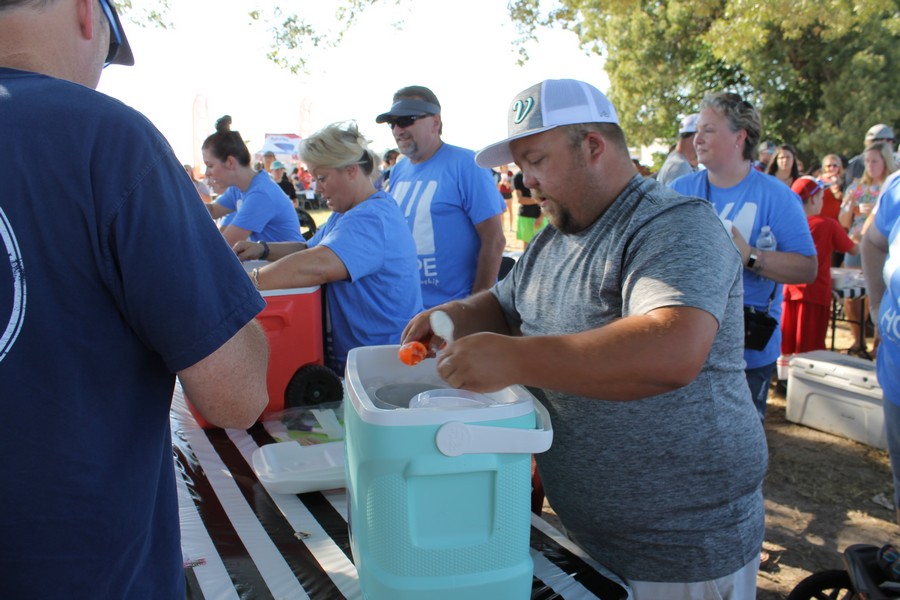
(419, 330)
(481, 362)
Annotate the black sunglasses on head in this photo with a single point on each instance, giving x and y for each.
(405, 122)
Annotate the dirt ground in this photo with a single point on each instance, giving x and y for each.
(820, 493)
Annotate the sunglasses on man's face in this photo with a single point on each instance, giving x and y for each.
(405, 122)
(115, 36)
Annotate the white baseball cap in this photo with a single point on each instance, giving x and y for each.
(544, 106)
(688, 124)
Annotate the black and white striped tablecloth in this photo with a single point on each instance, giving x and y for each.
(240, 541)
(848, 293)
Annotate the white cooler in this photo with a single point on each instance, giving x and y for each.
(838, 394)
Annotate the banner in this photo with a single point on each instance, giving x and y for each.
(284, 145)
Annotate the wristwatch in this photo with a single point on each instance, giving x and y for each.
(751, 260)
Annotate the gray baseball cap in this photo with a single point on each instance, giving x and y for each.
(544, 106)
(879, 132)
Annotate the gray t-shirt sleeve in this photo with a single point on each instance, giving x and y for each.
(677, 265)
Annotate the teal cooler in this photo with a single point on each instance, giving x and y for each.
(438, 481)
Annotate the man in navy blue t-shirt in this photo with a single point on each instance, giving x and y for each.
(116, 281)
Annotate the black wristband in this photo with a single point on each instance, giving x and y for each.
(265, 252)
(751, 260)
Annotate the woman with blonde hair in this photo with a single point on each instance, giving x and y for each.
(859, 200)
(364, 252)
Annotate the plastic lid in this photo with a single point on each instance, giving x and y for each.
(449, 398)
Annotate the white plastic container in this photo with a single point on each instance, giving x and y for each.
(838, 394)
(291, 468)
(439, 493)
(842, 279)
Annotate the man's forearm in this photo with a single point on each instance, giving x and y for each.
(478, 313)
(487, 270)
(490, 232)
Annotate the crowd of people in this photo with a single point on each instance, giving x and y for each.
(849, 190)
(646, 315)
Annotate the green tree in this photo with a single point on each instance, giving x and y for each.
(820, 71)
(156, 13)
(292, 35)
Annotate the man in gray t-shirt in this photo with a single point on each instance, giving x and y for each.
(683, 159)
(625, 318)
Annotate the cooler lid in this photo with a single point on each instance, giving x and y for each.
(835, 366)
(288, 291)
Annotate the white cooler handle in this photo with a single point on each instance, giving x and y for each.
(456, 438)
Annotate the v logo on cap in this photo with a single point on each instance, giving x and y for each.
(522, 108)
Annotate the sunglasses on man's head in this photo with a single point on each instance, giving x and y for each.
(405, 122)
(115, 36)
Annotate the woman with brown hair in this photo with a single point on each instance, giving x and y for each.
(783, 165)
(263, 212)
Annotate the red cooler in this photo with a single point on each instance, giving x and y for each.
(297, 376)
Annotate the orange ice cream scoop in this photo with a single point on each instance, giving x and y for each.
(412, 353)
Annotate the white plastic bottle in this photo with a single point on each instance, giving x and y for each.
(766, 239)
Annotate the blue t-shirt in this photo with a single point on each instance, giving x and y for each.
(443, 199)
(230, 200)
(264, 210)
(116, 279)
(383, 292)
(758, 200)
(887, 221)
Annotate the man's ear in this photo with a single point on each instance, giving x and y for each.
(595, 145)
(86, 10)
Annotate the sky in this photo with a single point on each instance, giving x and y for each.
(462, 49)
